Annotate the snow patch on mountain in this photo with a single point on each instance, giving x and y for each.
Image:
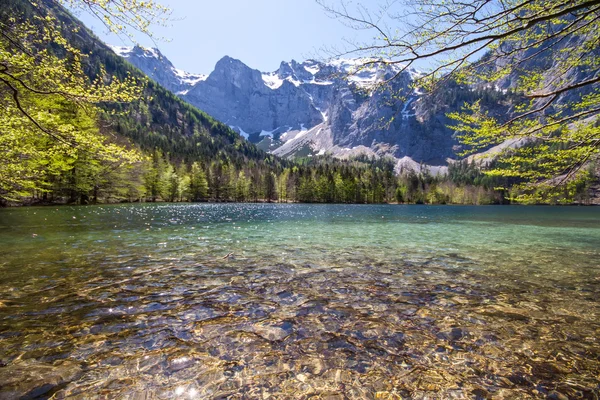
(312, 69)
(293, 81)
(272, 80)
(159, 68)
(239, 130)
(188, 78)
(321, 109)
(315, 82)
(122, 51)
(151, 52)
(366, 72)
(406, 114)
(268, 133)
(350, 65)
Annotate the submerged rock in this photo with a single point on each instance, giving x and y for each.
(554, 395)
(29, 380)
(273, 332)
(457, 334)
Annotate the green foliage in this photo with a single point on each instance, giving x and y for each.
(51, 137)
(198, 186)
(65, 94)
(34, 163)
(545, 130)
(553, 131)
(85, 127)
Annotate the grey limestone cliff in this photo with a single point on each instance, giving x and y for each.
(311, 107)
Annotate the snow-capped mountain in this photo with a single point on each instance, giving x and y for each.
(158, 67)
(313, 107)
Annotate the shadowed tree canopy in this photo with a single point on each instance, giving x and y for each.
(545, 52)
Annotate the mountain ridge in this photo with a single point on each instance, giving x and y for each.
(314, 108)
(159, 68)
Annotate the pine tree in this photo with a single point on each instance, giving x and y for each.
(198, 183)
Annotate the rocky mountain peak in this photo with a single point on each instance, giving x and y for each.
(314, 107)
(236, 73)
(230, 63)
(139, 51)
(158, 67)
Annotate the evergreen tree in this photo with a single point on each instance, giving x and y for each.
(198, 183)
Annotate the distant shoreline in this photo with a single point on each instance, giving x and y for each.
(42, 204)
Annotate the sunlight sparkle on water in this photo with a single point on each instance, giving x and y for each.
(280, 300)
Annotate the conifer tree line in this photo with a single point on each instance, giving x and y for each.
(81, 126)
(159, 178)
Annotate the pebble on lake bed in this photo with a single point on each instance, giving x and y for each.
(272, 332)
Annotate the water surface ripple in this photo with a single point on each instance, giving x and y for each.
(299, 301)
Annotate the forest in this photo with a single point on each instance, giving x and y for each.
(320, 180)
(83, 126)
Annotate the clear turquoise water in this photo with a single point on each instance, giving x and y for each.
(290, 301)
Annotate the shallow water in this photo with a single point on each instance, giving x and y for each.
(299, 301)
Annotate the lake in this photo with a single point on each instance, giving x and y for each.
(298, 301)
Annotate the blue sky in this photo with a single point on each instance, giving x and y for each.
(261, 33)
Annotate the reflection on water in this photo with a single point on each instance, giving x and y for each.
(299, 301)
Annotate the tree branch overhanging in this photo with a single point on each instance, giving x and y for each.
(546, 50)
